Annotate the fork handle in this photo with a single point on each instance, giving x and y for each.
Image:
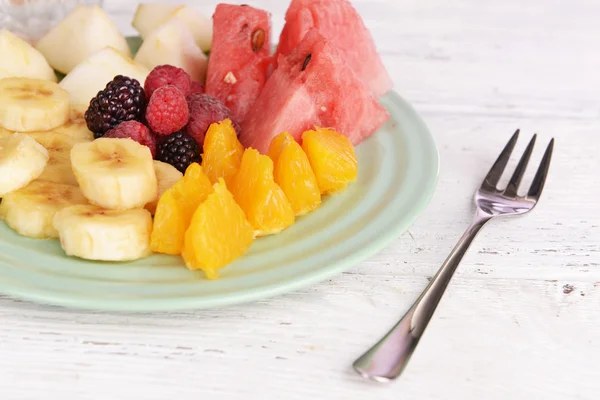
(388, 357)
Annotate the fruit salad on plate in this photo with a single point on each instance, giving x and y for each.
(200, 143)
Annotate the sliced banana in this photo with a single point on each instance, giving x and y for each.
(94, 233)
(59, 147)
(22, 160)
(166, 176)
(30, 211)
(28, 105)
(117, 174)
(76, 127)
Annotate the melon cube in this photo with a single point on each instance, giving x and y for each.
(340, 23)
(312, 86)
(239, 57)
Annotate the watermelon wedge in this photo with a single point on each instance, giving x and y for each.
(340, 23)
(239, 57)
(312, 86)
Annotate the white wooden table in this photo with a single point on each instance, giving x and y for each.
(520, 319)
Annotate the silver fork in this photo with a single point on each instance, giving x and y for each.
(388, 357)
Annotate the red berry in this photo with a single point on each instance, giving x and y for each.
(205, 110)
(135, 131)
(167, 75)
(196, 88)
(167, 110)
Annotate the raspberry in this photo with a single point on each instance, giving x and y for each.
(167, 75)
(196, 88)
(205, 110)
(167, 110)
(135, 131)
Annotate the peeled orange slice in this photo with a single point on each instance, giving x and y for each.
(218, 234)
(294, 174)
(331, 157)
(222, 151)
(263, 201)
(175, 209)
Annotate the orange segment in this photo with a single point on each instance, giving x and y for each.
(331, 157)
(175, 209)
(222, 151)
(294, 174)
(263, 201)
(218, 234)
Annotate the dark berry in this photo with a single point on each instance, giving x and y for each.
(179, 150)
(168, 75)
(167, 110)
(136, 131)
(122, 99)
(205, 110)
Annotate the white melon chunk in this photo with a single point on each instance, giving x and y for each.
(82, 33)
(21, 59)
(88, 78)
(149, 16)
(172, 43)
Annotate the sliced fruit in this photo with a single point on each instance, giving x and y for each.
(93, 233)
(148, 16)
(92, 74)
(5, 133)
(76, 127)
(21, 59)
(116, 174)
(331, 157)
(175, 209)
(172, 43)
(166, 176)
(222, 151)
(312, 86)
(240, 56)
(82, 33)
(263, 201)
(22, 160)
(30, 210)
(28, 105)
(218, 234)
(294, 174)
(58, 169)
(341, 24)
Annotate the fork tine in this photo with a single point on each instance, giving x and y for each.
(517, 176)
(540, 176)
(492, 178)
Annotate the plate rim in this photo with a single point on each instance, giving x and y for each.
(380, 242)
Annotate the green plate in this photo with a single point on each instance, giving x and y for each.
(398, 168)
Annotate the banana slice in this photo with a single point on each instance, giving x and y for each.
(166, 175)
(94, 233)
(117, 174)
(30, 211)
(59, 147)
(22, 160)
(5, 133)
(28, 105)
(76, 127)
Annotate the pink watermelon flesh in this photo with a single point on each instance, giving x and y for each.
(340, 23)
(237, 66)
(326, 93)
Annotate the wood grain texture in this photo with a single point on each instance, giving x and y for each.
(520, 319)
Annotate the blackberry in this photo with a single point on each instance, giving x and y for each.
(180, 150)
(122, 99)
